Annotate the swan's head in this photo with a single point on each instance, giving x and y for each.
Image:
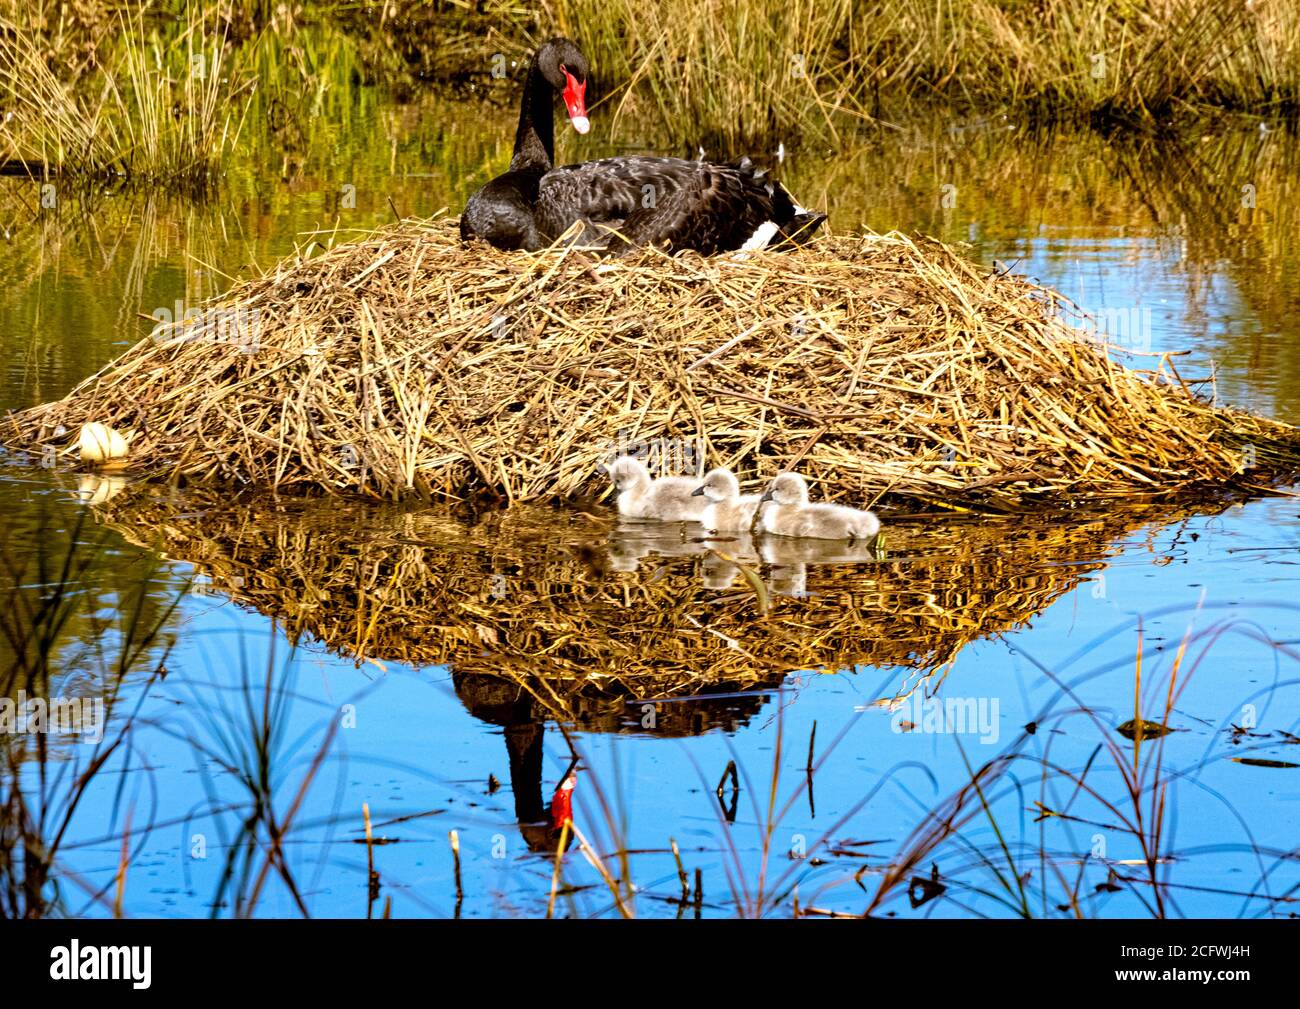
(628, 473)
(787, 489)
(562, 63)
(719, 485)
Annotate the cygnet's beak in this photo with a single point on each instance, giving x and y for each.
(767, 496)
(698, 491)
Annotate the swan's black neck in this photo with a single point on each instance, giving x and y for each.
(535, 138)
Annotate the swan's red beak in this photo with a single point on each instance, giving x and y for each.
(575, 101)
(562, 801)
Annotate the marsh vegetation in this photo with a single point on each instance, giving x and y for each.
(284, 678)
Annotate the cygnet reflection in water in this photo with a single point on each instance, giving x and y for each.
(631, 542)
(725, 554)
(788, 560)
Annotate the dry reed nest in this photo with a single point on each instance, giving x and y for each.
(410, 364)
(547, 599)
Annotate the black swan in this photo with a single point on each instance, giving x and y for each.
(669, 203)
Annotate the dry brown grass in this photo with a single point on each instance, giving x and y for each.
(741, 74)
(408, 364)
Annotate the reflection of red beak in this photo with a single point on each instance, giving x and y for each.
(575, 101)
(562, 801)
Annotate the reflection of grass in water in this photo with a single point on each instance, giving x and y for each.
(969, 854)
(578, 609)
(1224, 206)
(54, 642)
(62, 323)
(268, 759)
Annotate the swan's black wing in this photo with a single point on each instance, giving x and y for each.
(713, 211)
(599, 192)
(667, 202)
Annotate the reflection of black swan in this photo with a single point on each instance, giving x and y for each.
(669, 203)
(500, 701)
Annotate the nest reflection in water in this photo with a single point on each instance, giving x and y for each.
(591, 620)
(582, 613)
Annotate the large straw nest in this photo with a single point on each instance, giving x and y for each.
(411, 364)
(572, 606)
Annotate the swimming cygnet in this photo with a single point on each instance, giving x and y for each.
(728, 510)
(790, 514)
(669, 499)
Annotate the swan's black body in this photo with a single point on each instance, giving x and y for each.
(626, 202)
